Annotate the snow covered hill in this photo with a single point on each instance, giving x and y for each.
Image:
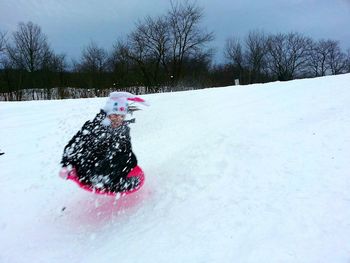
(255, 173)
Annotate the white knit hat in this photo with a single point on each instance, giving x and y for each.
(117, 103)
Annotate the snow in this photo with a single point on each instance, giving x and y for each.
(255, 173)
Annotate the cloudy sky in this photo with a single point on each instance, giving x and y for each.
(72, 24)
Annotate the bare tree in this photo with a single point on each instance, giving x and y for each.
(347, 61)
(186, 36)
(140, 54)
(59, 63)
(234, 53)
(93, 63)
(288, 54)
(161, 46)
(27, 54)
(318, 57)
(93, 58)
(3, 42)
(121, 64)
(155, 31)
(30, 48)
(256, 47)
(336, 59)
(148, 46)
(120, 54)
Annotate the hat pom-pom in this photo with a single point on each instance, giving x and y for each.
(106, 122)
(108, 107)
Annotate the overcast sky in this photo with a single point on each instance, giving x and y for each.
(72, 24)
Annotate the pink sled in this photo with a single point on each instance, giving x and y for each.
(136, 171)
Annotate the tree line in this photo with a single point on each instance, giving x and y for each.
(162, 53)
(260, 57)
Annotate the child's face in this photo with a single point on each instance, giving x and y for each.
(116, 120)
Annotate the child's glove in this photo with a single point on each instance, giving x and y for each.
(64, 173)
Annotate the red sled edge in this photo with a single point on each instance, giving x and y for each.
(136, 171)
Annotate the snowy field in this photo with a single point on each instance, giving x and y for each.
(257, 173)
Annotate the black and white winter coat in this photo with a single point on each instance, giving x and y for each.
(102, 155)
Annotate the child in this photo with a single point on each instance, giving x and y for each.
(101, 151)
